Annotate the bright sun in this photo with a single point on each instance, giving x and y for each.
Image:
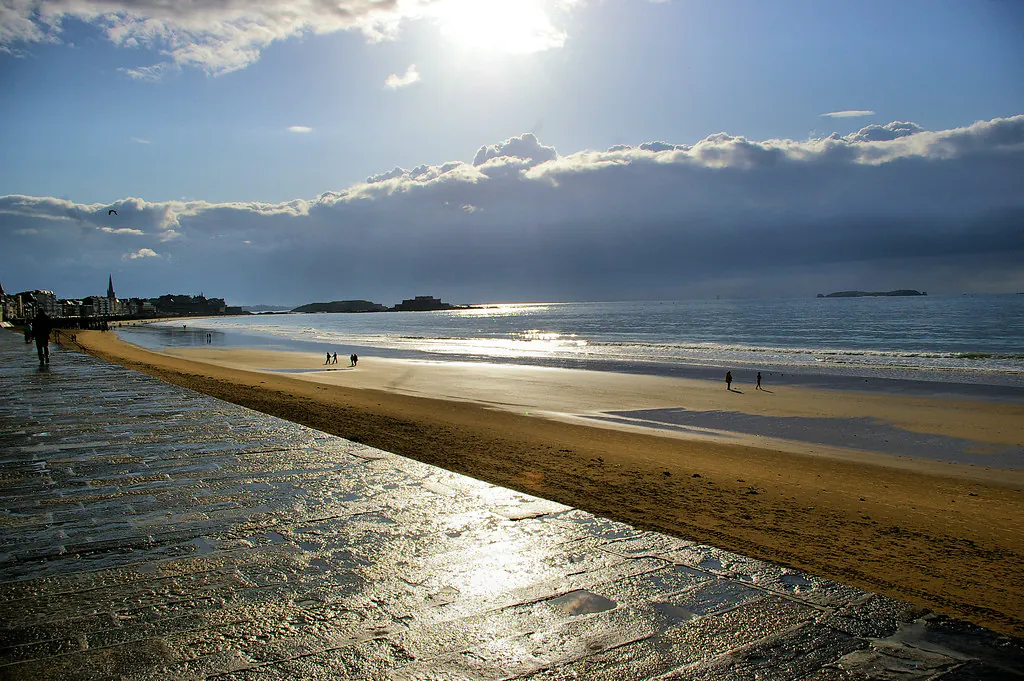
(514, 26)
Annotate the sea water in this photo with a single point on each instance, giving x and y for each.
(975, 340)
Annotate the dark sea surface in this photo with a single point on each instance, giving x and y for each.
(927, 344)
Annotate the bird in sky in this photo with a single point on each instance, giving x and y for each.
(111, 212)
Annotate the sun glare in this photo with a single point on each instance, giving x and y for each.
(512, 26)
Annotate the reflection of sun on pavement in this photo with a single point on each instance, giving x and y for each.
(499, 568)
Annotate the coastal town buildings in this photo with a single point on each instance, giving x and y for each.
(86, 311)
(23, 306)
(4, 314)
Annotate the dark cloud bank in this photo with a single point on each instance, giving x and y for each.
(887, 207)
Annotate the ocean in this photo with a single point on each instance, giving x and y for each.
(972, 341)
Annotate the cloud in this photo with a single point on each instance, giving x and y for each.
(852, 113)
(220, 36)
(141, 253)
(656, 146)
(122, 230)
(139, 140)
(885, 133)
(891, 206)
(150, 73)
(395, 81)
(299, 128)
(217, 36)
(526, 148)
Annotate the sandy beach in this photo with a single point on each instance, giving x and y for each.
(947, 536)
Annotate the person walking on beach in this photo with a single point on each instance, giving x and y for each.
(728, 380)
(758, 386)
(328, 361)
(334, 358)
(41, 327)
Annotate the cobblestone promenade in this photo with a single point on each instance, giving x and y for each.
(148, 532)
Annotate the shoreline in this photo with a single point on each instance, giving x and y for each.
(924, 380)
(944, 536)
(821, 422)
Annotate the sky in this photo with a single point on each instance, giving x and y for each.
(510, 150)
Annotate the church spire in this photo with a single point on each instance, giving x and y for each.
(110, 288)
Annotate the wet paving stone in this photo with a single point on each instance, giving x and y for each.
(148, 532)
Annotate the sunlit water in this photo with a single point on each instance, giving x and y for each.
(976, 340)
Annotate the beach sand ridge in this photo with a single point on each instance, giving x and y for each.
(947, 536)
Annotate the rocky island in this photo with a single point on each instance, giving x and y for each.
(342, 306)
(868, 294)
(417, 304)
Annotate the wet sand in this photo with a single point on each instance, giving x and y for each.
(947, 536)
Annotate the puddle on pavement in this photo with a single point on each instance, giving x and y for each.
(712, 564)
(674, 613)
(204, 547)
(581, 603)
(714, 597)
(794, 579)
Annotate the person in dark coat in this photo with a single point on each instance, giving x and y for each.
(41, 327)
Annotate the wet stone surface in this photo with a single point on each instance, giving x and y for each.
(148, 532)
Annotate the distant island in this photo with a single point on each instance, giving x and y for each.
(342, 306)
(417, 304)
(868, 294)
(265, 308)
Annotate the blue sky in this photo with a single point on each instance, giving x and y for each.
(283, 105)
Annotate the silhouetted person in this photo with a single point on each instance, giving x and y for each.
(728, 380)
(41, 327)
(334, 358)
(758, 386)
(328, 358)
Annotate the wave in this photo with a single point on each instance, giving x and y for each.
(566, 336)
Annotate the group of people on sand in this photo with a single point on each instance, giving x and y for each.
(353, 359)
(728, 381)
